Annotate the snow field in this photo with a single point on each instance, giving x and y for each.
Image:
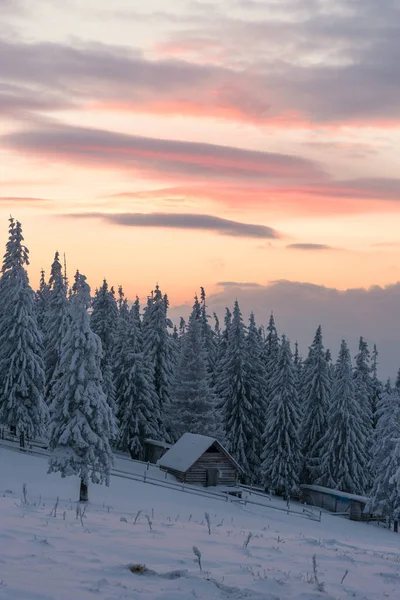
(62, 557)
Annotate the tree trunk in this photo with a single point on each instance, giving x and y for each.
(83, 492)
(396, 526)
(22, 440)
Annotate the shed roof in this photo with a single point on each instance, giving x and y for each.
(336, 493)
(184, 453)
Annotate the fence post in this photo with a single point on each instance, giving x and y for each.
(144, 477)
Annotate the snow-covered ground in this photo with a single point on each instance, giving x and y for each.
(62, 557)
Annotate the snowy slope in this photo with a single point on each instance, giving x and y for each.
(43, 557)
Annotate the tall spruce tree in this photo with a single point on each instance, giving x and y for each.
(363, 384)
(255, 383)
(159, 355)
(376, 386)
(194, 402)
(222, 338)
(282, 449)
(209, 341)
(57, 321)
(385, 494)
(233, 392)
(298, 365)
(41, 302)
(271, 353)
(343, 448)
(137, 400)
(104, 322)
(22, 405)
(81, 421)
(315, 392)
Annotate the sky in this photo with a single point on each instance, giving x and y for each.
(247, 146)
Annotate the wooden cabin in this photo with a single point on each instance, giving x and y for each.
(335, 501)
(154, 449)
(199, 459)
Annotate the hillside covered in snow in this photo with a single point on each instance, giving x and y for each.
(56, 551)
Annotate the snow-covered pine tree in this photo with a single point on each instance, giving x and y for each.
(256, 393)
(122, 324)
(209, 340)
(136, 313)
(232, 391)
(282, 449)
(22, 405)
(271, 352)
(376, 386)
(158, 353)
(57, 321)
(385, 494)
(397, 382)
(137, 400)
(182, 327)
(222, 338)
(104, 322)
(298, 365)
(41, 302)
(314, 398)
(81, 421)
(363, 387)
(344, 458)
(123, 318)
(194, 402)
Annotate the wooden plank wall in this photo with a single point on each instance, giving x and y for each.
(212, 460)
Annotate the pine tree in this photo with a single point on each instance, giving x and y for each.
(182, 327)
(81, 421)
(122, 320)
(104, 322)
(209, 341)
(344, 459)
(271, 353)
(298, 365)
(194, 401)
(376, 387)
(256, 392)
(137, 400)
(385, 494)
(363, 395)
(57, 321)
(397, 382)
(232, 391)
(22, 405)
(315, 392)
(363, 383)
(282, 452)
(158, 354)
(41, 302)
(222, 338)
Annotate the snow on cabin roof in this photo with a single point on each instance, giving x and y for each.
(184, 453)
(337, 493)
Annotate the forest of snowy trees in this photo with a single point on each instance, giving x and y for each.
(92, 373)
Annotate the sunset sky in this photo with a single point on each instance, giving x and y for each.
(204, 143)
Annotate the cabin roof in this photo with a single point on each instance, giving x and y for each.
(184, 453)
